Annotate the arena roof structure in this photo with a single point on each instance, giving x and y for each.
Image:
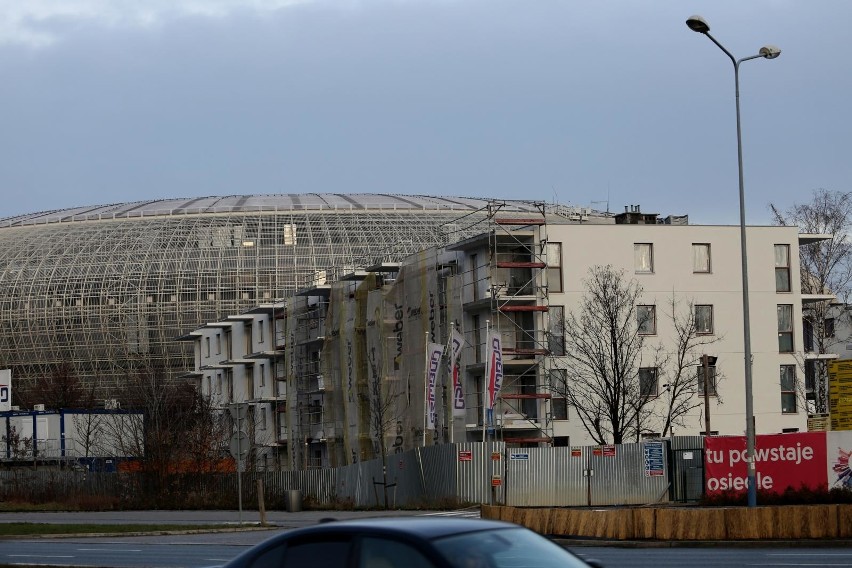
(99, 291)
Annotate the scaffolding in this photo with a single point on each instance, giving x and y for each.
(506, 289)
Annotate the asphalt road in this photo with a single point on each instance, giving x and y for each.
(210, 549)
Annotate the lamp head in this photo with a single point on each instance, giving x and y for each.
(698, 24)
(770, 51)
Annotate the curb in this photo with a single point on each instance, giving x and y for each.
(799, 543)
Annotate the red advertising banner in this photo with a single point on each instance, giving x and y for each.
(782, 460)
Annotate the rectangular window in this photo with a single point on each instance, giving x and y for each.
(260, 331)
(785, 328)
(788, 389)
(700, 257)
(249, 382)
(829, 327)
(554, 267)
(782, 268)
(704, 319)
(558, 384)
(559, 409)
(262, 375)
(218, 344)
(646, 319)
(219, 383)
(556, 337)
(648, 386)
(207, 342)
(711, 384)
(263, 418)
(643, 257)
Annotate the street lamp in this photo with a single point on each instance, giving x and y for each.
(700, 25)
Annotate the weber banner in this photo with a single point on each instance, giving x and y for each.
(493, 374)
(434, 353)
(456, 346)
(782, 461)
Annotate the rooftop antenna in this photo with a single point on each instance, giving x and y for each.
(607, 199)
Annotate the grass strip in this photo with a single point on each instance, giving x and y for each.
(27, 529)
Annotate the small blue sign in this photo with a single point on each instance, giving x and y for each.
(654, 459)
(519, 456)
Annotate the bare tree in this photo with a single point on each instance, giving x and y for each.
(60, 390)
(826, 268)
(604, 349)
(160, 441)
(678, 368)
(385, 413)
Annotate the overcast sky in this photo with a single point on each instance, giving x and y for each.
(582, 102)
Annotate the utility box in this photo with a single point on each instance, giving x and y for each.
(293, 501)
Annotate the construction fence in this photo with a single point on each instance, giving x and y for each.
(441, 475)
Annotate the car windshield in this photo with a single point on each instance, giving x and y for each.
(505, 548)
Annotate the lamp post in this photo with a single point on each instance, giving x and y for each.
(698, 24)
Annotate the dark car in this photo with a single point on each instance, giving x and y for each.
(411, 542)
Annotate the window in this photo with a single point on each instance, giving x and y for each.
(700, 257)
(648, 381)
(643, 257)
(249, 382)
(260, 331)
(782, 268)
(218, 344)
(704, 319)
(218, 383)
(262, 375)
(788, 389)
(263, 418)
(646, 319)
(330, 552)
(209, 381)
(711, 384)
(207, 342)
(556, 337)
(829, 327)
(554, 267)
(385, 553)
(785, 328)
(559, 408)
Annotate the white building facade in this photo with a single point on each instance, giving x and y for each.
(701, 265)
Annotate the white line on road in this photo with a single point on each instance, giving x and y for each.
(36, 556)
(109, 550)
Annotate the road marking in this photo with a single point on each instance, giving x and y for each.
(462, 513)
(109, 550)
(37, 556)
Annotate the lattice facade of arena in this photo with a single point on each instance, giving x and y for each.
(106, 289)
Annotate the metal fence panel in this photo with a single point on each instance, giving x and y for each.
(687, 442)
(539, 477)
(620, 479)
(475, 469)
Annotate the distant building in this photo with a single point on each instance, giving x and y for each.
(308, 367)
(104, 290)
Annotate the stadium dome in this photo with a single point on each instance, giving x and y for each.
(100, 290)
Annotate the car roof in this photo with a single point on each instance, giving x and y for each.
(419, 527)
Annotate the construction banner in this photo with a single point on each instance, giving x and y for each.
(493, 374)
(456, 347)
(434, 352)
